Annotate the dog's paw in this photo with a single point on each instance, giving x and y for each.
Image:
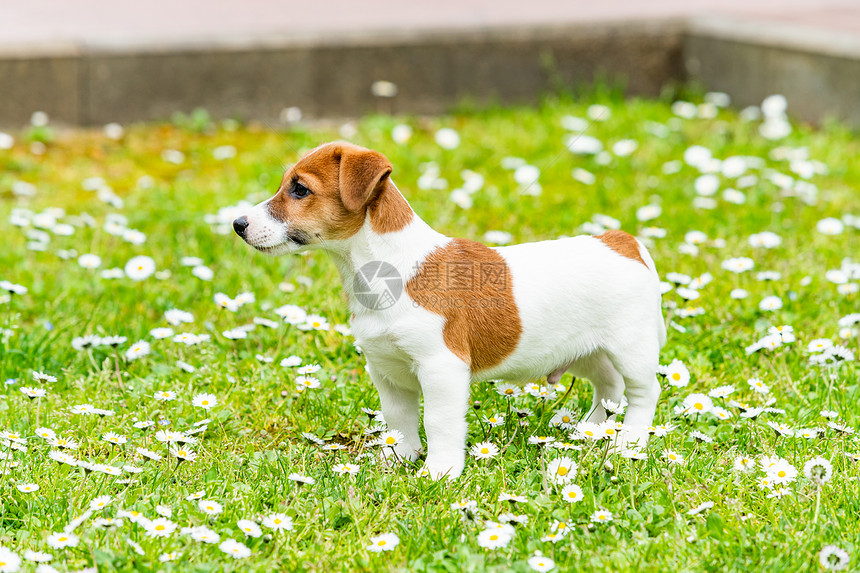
(438, 467)
(630, 441)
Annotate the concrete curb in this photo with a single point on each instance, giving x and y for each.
(817, 71)
(254, 78)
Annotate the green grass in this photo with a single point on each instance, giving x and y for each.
(254, 439)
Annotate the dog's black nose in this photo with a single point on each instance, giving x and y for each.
(240, 225)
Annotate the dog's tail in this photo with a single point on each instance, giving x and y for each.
(646, 256)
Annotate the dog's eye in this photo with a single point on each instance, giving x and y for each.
(299, 191)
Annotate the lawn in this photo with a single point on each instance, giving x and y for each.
(204, 408)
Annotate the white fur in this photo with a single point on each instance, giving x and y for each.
(583, 307)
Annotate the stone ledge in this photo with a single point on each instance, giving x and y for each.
(254, 78)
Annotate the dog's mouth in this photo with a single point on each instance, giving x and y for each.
(293, 240)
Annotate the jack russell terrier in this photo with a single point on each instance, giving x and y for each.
(588, 305)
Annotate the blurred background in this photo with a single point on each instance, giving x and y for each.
(92, 62)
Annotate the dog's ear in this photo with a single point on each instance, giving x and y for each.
(363, 174)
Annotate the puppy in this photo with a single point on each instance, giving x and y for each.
(434, 313)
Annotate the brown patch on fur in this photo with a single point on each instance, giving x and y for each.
(346, 182)
(390, 212)
(471, 286)
(622, 243)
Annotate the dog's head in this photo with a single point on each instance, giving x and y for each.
(323, 199)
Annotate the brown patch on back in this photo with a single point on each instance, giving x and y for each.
(471, 286)
(622, 243)
(346, 182)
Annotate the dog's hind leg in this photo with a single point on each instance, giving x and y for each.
(607, 382)
(638, 366)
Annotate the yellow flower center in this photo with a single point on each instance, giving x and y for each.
(562, 471)
(485, 450)
(159, 528)
(277, 521)
(699, 406)
(589, 433)
(62, 539)
(205, 402)
(494, 537)
(601, 517)
(389, 440)
(381, 542)
(676, 376)
(565, 419)
(509, 390)
(781, 473)
(571, 495)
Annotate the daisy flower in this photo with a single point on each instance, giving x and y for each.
(100, 502)
(291, 361)
(383, 542)
(484, 450)
(203, 534)
(673, 457)
(781, 472)
(495, 420)
(114, 438)
(38, 556)
(467, 505)
(344, 469)
(756, 385)
(389, 439)
(504, 496)
(9, 560)
(210, 507)
(770, 303)
(562, 470)
(183, 454)
(572, 493)
(541, 563)
(205, 401)
(249, 528)
(278, 522)
(147, 454)
(493, 538)
(28, 487)
(697, 404)
(508, 390)
(235, 549)
(677, 374)
(744, 464)
(700, 508)
(137, 350)
(62, 540)
(161, 527)
(588, 430)
(42, 377)
(32, 393)
(301, 479)
(601, 516)
(139, 268)
(721, 391)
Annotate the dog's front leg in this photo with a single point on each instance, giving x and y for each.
(400, 409)
(445, 385)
